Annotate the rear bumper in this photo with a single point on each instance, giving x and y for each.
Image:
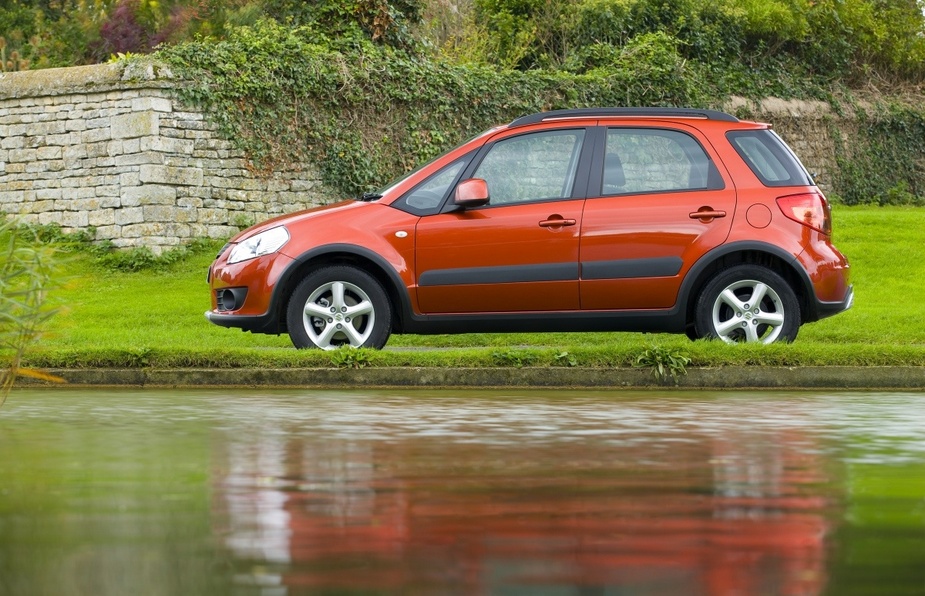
(827, 309)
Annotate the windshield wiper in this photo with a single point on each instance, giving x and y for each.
(369, 196)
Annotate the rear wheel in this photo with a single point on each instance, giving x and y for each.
(339, 306)
(748, 304)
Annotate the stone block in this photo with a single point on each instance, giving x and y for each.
(74, 152)
(108, 232)
(95, 135)
(48, 194)
(11, 196)
(40, 129)
(51, 217)
(75, 126)
(171, 175)
(221, 231)
(213, 216)
(167, 145)
(39, 206)
(129, 215)
(98, 149)
(74, 219)
(302, 185)
(63, 140)
(22, 155)
(148, 230)
(102, 217)
(135, 124)
(12, 142)
(129, 179)
(131, 146)
(189, 202)
(155, 104)
(148, 194)
(153, 213)
(48, 153)
(111, 191)
(134, 159)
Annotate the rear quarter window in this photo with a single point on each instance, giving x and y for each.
(769, 158)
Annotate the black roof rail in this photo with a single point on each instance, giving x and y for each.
(604, 112)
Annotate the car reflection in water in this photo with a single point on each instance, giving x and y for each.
(699, 515)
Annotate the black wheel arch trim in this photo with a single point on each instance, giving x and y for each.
(709, 259)
(397, 287)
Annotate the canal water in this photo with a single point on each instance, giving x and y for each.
(521, 492)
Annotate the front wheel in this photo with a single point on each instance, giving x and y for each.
(748, 304)
(339, 306)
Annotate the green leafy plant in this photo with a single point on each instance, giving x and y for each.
(350, 357)
(565, 359)
(26, 273)
(515, 358)
(665, 362)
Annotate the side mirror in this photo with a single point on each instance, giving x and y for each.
(471, 193)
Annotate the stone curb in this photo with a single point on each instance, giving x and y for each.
(818, 377)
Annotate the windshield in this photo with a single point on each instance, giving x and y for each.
(396, 181)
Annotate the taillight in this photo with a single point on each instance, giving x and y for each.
(810, 209)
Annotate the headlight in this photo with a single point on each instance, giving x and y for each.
(263, 243)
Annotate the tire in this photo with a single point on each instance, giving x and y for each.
(337, 306)
(726, 308)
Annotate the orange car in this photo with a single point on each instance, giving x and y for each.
(610, 219)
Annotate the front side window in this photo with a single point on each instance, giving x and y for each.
(427, 196)
(532, 167)
(656, 160)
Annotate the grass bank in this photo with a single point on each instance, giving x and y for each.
(154, 318)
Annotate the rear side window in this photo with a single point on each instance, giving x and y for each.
(769, 158)
(641, 160)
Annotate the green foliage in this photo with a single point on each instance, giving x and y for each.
(107, 254)
(26, 274)
(828, 38)
(565, 359)
(885, 163)
(514, 358)
(664, 362)
(285, 98)
(350, 357)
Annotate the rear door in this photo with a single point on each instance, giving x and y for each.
(520, 251)
(657, 202)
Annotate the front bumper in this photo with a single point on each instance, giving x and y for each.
(254, 323)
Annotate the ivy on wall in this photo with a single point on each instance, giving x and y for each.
(884, 161)
(365, 113)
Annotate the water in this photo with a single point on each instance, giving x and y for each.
(452, 492)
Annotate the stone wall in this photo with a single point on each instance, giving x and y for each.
(110, 147)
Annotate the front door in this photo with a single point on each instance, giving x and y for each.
(520, 251)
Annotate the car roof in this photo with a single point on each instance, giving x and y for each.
(622, 112)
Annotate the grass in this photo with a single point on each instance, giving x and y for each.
(155, 318)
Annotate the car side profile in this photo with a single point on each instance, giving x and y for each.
(600, 219)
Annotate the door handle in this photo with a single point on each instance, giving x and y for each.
(555, 223)
(706, 214)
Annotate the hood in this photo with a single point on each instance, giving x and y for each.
(291, 219)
